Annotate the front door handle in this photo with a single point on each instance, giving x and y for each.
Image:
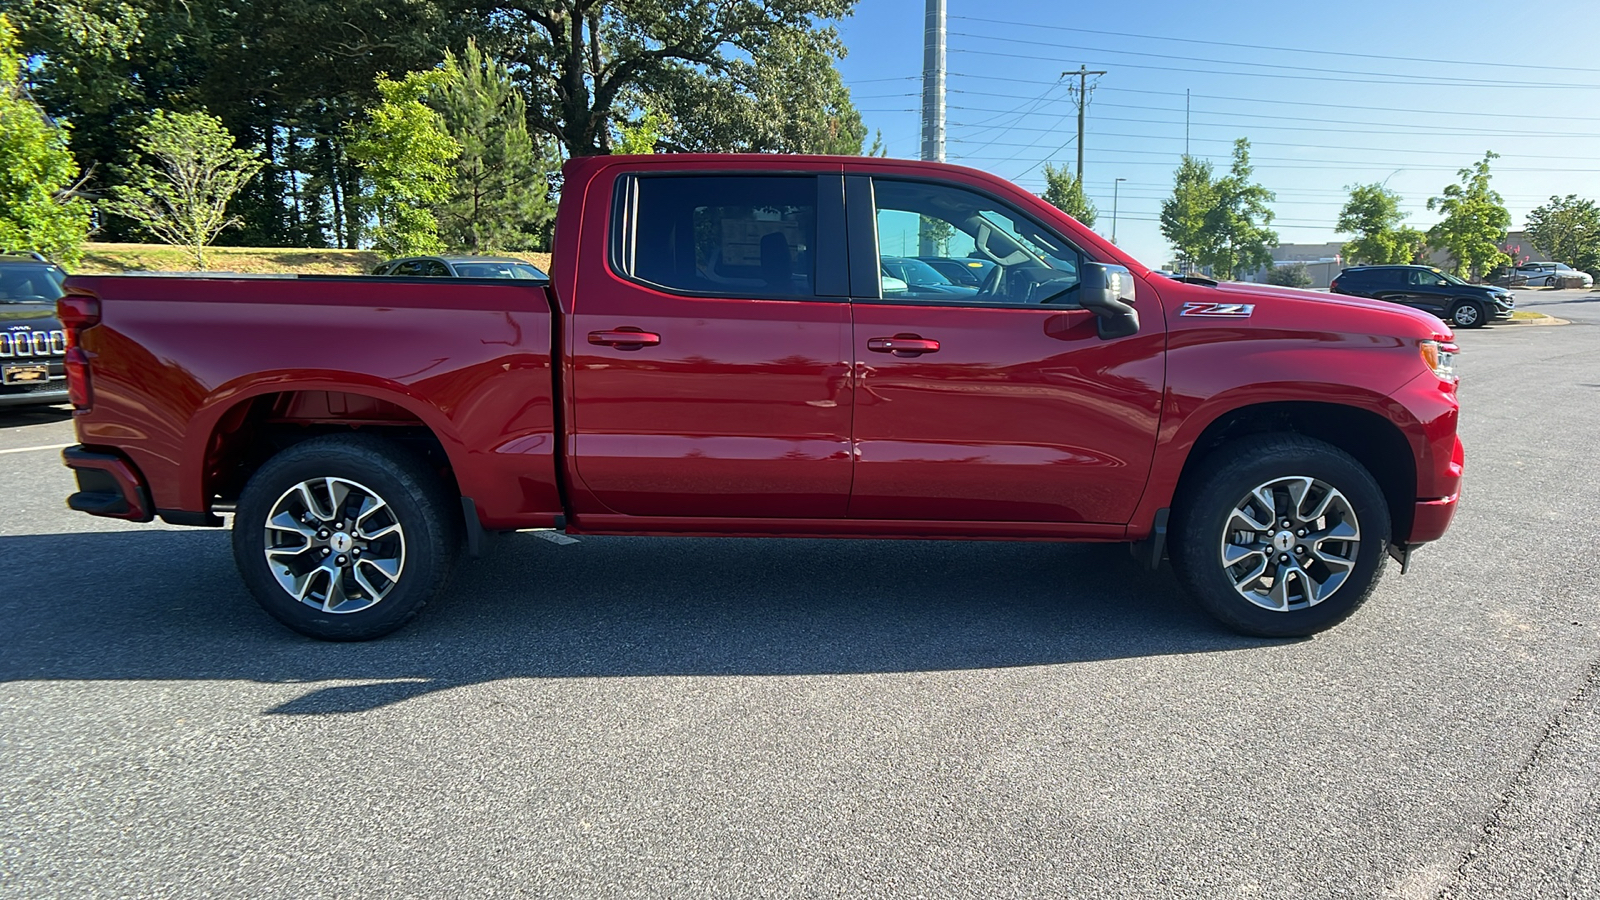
(623, 339)
(903, 345)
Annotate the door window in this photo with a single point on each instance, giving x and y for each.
(738, 235)
(1023, 263)
(411, 268)
(1421, 278)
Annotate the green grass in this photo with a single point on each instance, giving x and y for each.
(106, 259)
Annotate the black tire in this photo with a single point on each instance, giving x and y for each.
(412, 497)
(1550, 281)
(1469, 314)
(1225, 481)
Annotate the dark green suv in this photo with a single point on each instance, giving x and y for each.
(1432, 290)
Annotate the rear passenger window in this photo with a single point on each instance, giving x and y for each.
(750, 236)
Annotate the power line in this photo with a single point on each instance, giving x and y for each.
(1279, 75)
(1255, 48)
(1390, 76)
(1388, 127)
(1297, 103)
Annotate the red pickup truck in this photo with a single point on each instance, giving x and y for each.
(720, 351)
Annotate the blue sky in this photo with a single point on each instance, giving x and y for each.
(1406, 92)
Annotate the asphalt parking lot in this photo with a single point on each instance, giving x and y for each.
(737, 718)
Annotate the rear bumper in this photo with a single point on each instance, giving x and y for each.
(108, 485)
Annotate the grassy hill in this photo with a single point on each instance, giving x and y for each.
(105, 259)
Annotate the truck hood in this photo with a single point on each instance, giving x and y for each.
(1387, 318)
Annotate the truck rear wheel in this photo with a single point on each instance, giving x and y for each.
(344, 538)
(1281, 535)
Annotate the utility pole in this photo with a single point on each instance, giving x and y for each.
(1083, 74)
(933, 40)
(1114, 186)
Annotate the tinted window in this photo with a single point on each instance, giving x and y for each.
(435, 269)
(1029, 263)
(411, 268)
(724, 234)
(1424, 278)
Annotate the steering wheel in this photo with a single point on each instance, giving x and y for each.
(994, 284)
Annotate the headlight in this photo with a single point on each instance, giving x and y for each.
(1440, 358)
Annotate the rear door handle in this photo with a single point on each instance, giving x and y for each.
(624, 340)
(903, 345)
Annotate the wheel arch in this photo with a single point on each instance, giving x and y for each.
(239, 429)
(1375, 441)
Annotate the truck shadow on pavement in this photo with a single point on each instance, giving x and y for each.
(17, 416)
(168, 605)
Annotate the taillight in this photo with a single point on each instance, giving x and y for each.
(77, 314)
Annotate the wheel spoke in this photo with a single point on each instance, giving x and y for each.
(1298, 488)
(1244, 520)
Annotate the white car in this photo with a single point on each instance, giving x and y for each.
(1547, 274)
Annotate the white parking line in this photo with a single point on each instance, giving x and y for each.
(31, 449)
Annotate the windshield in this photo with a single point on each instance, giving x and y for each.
(915, 271)
(519, 271)
(30, 283)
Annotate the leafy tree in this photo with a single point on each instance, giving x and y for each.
(732, 74)
(1294, 275)
(179, 190)
(1184, 215)
(405, 151)
(1569, 230)
(1373, 214)
(643, 136)
(499, 192)
(1064, 191)
(1238, 238)
(285, 76)
(38, 176)
(1475, 221)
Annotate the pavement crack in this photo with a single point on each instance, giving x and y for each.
(1495, 830)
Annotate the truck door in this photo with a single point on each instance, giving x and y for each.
(1000, 403)
(710, 354)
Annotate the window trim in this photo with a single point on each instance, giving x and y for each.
(869, 221)
(621, 254)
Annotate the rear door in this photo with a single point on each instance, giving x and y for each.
(1000, 407)
(710, 356)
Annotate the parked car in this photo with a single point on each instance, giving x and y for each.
(963, 271)
(362, 433)
(461, 267)
(1548, 274)
(923, 280)
(33, 345)
(1424, 287)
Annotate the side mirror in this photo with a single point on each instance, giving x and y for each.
(1107, 291)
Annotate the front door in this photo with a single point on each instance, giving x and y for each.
(710, 364)
(998, 403)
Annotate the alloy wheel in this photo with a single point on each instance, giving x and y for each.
(1290, 543)
(334, 545)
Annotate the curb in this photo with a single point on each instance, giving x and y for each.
(1542, 320)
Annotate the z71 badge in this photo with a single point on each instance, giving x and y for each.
(1218, 310)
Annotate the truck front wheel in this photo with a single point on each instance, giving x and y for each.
(1280, 535)
(344, 538)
